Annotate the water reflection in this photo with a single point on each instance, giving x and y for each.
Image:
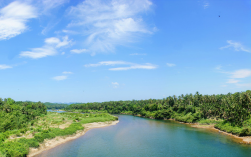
(58, 111)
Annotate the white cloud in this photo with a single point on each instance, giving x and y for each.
(78, 51)
(236, 46)
(242, 73)
(170, 64)
(62, 53)
(244, 85)
(206, 5)
(110, 23)
(115, 84)
(234, 75)
(65, 42)
(67, 72)
(136, 66)
(49, 49)
(3, 66)
(69, 31)
(13, 19)
(36, 53)
(232, 81)
(131, 65)
(107, 63)
(59, 78)
(57, 42)
(52, 40)
(137, 54)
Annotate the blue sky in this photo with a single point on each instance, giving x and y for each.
(93, 50)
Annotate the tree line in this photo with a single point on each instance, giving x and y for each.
(233, 108)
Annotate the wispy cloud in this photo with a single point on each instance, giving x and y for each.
(59, 78)
(110, 23)
(138, 54)
(131, 65)
(47, 8)
(49, 49)
(36, 53)
(13, 19)
(49, 5)
(232, 81)
(242, 73)
(236, 76)
(170, 64)
(206, 5)
(218, 67)
(3, 66)
(67, 72)
(136, 66)
(244, 85)
(115, 84)
(78, 51)
(237, 46)
(107, 63)
(69, 31)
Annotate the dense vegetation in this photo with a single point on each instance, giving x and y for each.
(17, 115)
(27, 124)
(230, 112)
(55, 106)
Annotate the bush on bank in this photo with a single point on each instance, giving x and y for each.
(20, 147)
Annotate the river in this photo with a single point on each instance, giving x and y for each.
(136, 136)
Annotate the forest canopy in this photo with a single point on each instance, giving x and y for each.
(231, 112)
(16, 115)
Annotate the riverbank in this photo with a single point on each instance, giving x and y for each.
(48, 144)
(49, 130)
(239, 139)
(244, 139)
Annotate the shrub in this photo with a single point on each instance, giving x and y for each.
(207, 121)
(39, 137)
(188, 118)
(2, 137)
(2, 155)
(49, 135)
(245, 132)
(230, 128)
(15, 149)
(31, 142)
(18, 134)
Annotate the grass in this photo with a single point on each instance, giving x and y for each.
(208, 121)
(18, 142)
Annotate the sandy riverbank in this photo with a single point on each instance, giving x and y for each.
(48, 144)
(245, 139)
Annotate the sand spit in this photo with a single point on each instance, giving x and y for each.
(48, 144)
(244, 140)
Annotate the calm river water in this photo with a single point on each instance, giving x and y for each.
(136, 136)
